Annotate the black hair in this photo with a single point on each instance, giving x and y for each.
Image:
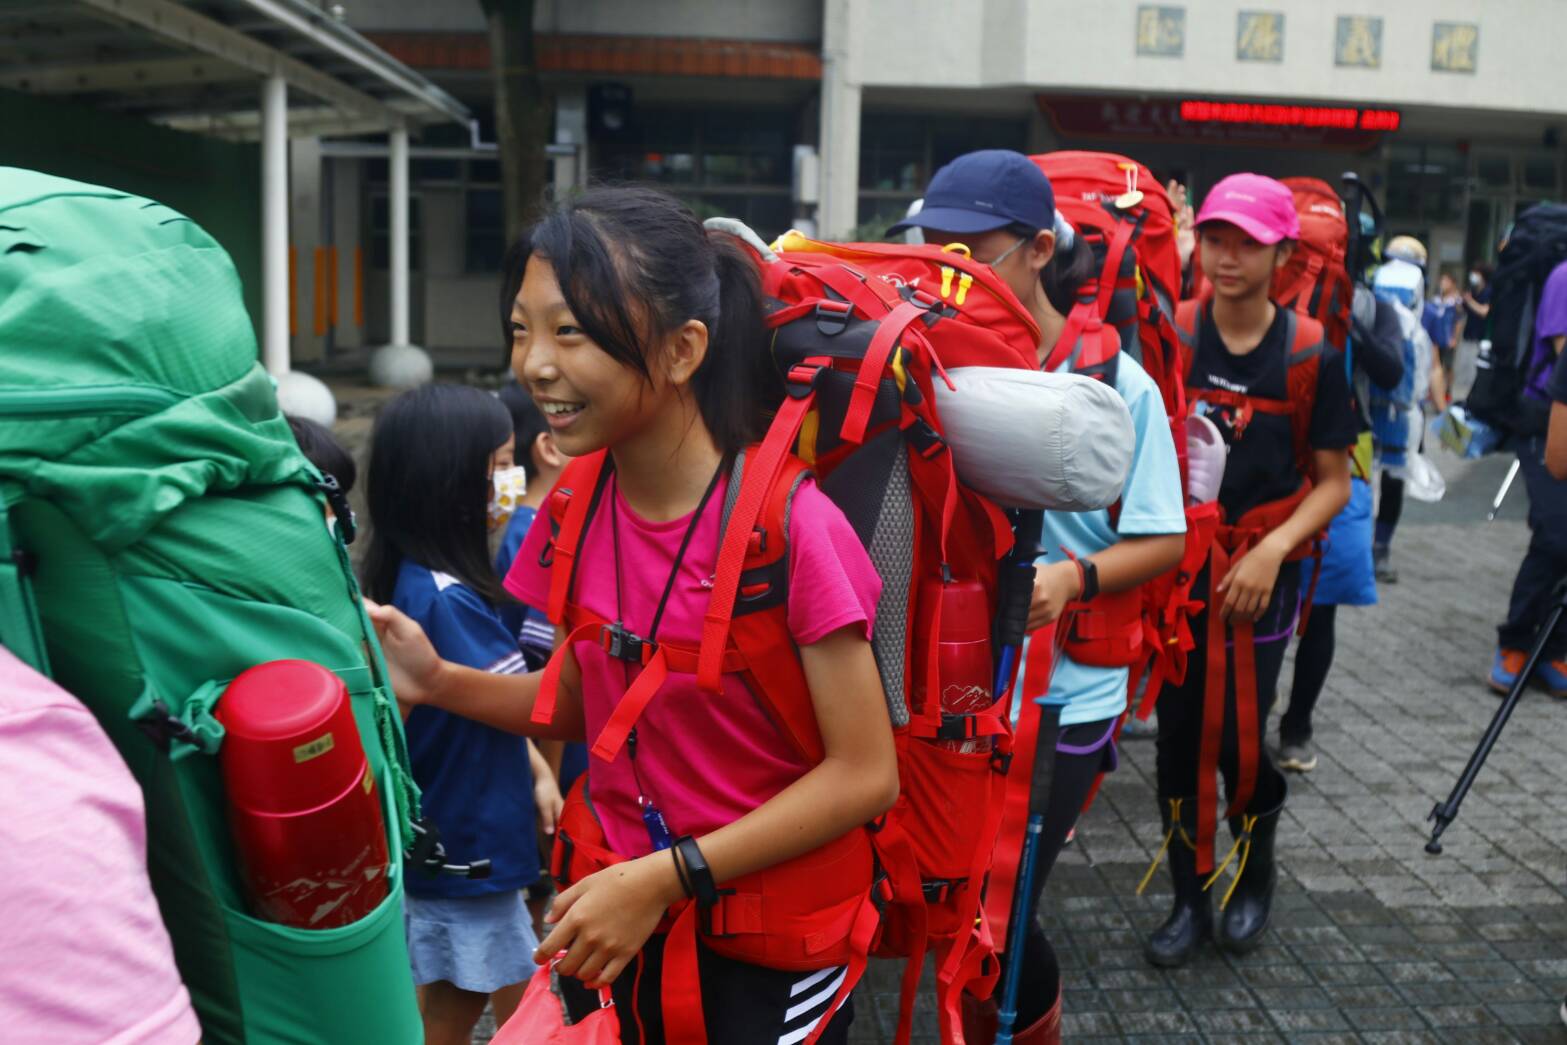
(1069, 268)
(527, 420)
(322, 449)
(429, 487)
(634, 264)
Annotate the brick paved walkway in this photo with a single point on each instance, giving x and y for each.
(1374, 940)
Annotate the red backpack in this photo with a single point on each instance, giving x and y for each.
(861, 333)
(1122, 212)
(1315, 282)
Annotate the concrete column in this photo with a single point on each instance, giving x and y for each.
(399, 364)
(838, 211)
(306, 196)
(274, 225)
(398, 275)
(571, 128)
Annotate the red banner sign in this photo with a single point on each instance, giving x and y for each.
(1217, 122)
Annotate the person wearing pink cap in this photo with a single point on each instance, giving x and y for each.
(1269, 381)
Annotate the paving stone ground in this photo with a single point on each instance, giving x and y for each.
(1373, 940)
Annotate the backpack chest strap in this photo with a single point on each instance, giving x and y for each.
(657, 661)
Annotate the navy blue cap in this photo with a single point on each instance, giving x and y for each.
(985, 190)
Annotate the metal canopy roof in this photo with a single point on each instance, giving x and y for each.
(196, 65)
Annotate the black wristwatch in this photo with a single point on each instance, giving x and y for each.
(703, 887)
(1090, 579)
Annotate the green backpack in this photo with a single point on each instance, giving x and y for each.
(160, 533)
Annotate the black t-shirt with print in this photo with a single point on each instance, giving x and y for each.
(1261, 465)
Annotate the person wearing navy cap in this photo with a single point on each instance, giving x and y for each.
(1001, 206)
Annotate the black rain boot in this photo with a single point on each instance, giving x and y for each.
(1191, 920)
(1250, 903)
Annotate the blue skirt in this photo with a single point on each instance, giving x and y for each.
(479, 943)
(1347, 575)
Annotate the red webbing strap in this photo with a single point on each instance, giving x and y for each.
(1037, 664)
(1112, 269)
(1311, 589)
(966, 956)
(761, 471)
(1077, 321)
(863, 933)
(858, 416)
(635, 701)
(1248, 731)
(581, 477)
(681, 992)
(865, 294)
(549, 685)
(1299, 293)
(1212, 714)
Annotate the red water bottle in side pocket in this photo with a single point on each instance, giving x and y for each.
(964, 667)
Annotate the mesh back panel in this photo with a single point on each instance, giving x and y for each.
(892, 553)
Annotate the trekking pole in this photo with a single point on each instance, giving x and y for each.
(1501, 495)
(1006, 1015)
(1015, 595)
(1446, 812)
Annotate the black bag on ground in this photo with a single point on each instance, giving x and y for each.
(1537, 245)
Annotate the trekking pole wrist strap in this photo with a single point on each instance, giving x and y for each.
(703, 888)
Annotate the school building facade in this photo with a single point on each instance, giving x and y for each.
(831, 115)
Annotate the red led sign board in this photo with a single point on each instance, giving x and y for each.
(1346, 119)
(1203, 122)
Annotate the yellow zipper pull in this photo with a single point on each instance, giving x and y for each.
(946, 280)
(964, 282)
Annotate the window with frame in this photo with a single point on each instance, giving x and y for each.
(735, 163)
(1425, 183)
(899, 152)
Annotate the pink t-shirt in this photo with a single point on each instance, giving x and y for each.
(703, 760)
(84, 955)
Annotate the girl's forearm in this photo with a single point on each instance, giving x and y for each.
(826, 803)
(1135, 559)
(1326, 499)
(505, 701)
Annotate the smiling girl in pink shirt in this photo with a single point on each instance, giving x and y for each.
(639, 333)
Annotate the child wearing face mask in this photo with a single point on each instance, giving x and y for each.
(439, 454)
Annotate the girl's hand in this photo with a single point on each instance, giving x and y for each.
(415, 666)
(1248, 587)
(1054, 586)
(603, 921)
(548, 801)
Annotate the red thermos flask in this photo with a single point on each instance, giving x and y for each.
(964, 668)
(302, 801)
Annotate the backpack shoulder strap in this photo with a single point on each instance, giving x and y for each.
(571, 504)
(1188, 320)
(1307, 342)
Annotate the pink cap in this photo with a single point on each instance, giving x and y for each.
(1261, 207)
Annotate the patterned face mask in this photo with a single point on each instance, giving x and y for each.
(508, 487)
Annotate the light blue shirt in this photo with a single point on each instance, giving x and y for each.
(1151, 504)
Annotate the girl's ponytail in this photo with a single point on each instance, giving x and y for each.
(737, 387)
(1069, 268)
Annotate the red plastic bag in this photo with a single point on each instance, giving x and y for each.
(540, 1019)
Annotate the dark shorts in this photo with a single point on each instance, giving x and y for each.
(740, 1002)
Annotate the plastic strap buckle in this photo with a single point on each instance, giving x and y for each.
(335, 496)
(623, 644)
(832, 316)
(925, 440)
(956, 727)
(163, 727)
(800, 381)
